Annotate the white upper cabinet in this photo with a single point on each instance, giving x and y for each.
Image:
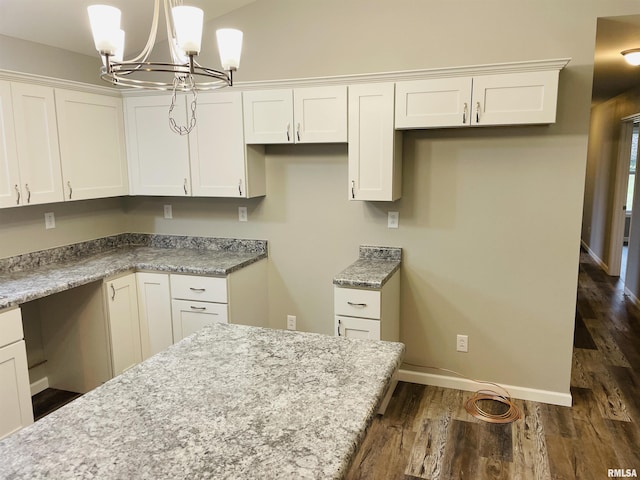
(320, 114)
(301, 115)
(10, 185)
(222, 165)
(500, 99)
(515, 98)
(375, 148)
(433, 103)
(34, 113)
(158, 157)
(92, 145)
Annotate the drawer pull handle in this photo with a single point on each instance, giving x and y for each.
(197, 289)
(339, 323)
(357, 304)
(198, 308)
(113, 295)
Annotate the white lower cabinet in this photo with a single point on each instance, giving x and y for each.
(154, 309)
(124, 324)
(368, 313)
(15, 395)
(190, 316)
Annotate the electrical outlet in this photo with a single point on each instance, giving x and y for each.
(168, 211)
(393, 219)
(242, 214)
(462, 343)
(291, 322)
(49, 220)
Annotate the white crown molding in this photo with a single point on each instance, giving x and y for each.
(404, 75)
(12, 76)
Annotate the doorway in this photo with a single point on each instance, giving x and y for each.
(624, 194)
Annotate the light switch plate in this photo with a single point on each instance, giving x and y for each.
(168, 211)
(242, 214)
(49, 220)
(393, 219)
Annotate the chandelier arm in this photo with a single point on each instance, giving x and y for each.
(144, 54)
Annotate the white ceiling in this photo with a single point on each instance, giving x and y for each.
(65, 24)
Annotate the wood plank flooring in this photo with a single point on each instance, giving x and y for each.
(427, 434)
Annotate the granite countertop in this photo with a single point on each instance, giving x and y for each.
(230, 402)
(46, 277)
(374, 266)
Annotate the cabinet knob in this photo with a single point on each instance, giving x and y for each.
(17, 194)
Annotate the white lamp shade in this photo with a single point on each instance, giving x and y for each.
(632, 56)
(187, 22)
(105, 26)
(230, 47)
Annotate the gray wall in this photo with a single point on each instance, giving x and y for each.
(489, 219)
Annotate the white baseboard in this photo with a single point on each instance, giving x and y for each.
(595, 257)
(632, 296)
(523, 393)
(39, 386)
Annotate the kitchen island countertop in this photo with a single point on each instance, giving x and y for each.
(230, 402)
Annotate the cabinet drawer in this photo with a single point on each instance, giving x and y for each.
(352, 327)
(188, 317)
(355, 302)
(10, 327)
(203, 289)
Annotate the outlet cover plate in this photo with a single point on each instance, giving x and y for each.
(393, 219)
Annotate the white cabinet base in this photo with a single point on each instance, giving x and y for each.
(190, 316)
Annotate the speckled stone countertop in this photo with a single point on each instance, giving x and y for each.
(230, 402)
(375, 265)
(37, 275)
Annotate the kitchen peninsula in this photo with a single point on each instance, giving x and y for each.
(231, 402)
(74, 317)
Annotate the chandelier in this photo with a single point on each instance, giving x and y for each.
(184, 37)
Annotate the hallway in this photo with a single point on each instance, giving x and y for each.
(427, 434)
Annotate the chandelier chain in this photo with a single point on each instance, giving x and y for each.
(183, 83)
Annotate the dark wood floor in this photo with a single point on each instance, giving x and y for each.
(50, 400)
(427, 434)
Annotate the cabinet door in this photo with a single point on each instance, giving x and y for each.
(15, 394)
(515, 98)
(154, 309)
(441, 102)
(374, 146)
(189, 317)
(158, 157)
(353, 327)
(320, 114)
(10, 186)
(34, 112)
(268, 116)
(124, 326)
(92, 148)
(217, 147)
